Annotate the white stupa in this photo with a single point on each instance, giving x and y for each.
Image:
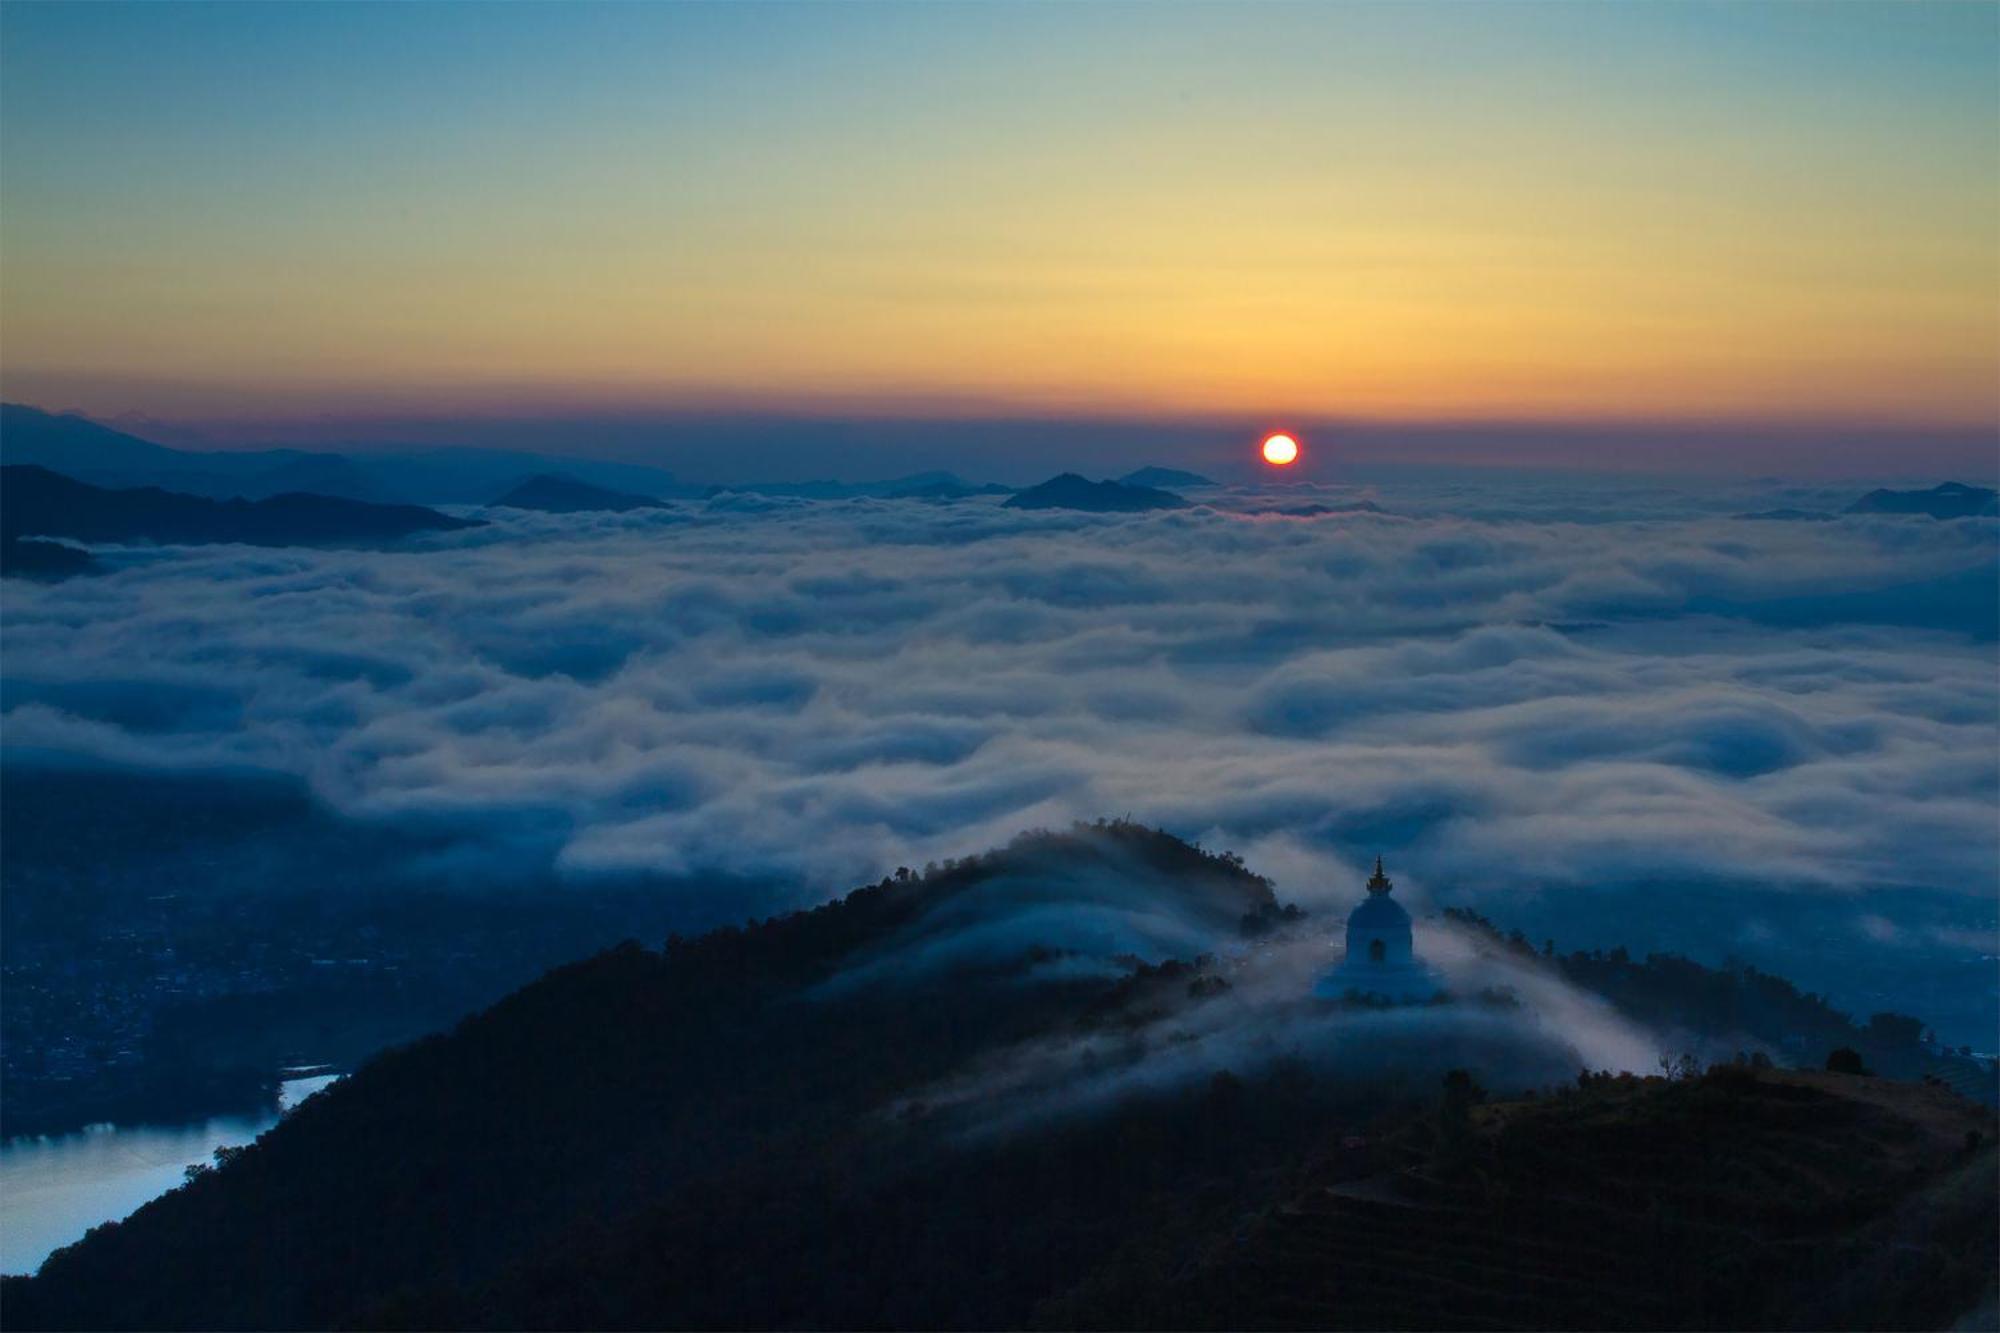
(1381, 964)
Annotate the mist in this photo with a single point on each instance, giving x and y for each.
(1580, 706)
(1245, 1008)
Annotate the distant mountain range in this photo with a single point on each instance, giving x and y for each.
(553, 493)
(1788, 516)
(1070, 491)
(89, 451)
(78, 447)
(781, 1126)
(1165, 477)
(1316, 510)
(916, 486)
(951, 488)
(102, 456)
(1950, 500)
(35, 502)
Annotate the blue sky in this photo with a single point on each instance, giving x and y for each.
(330, 221)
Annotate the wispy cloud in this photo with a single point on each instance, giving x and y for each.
(822, 691)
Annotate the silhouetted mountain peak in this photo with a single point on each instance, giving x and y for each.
(1318, 510)
(933, 485)
(1786, 516)
(1951, 499)
(1164, 477)
(1070, 491)
(92, 452)
(557, 493)
(944, 486)
(71, 441)
(35, 501)
(758, 1128)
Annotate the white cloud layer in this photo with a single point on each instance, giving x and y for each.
(823, 691)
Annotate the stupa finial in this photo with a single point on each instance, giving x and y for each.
(1379, 882)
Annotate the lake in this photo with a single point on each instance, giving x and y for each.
(54, 1189)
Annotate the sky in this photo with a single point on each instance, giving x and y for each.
(324, 222)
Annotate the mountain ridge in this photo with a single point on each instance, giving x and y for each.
(559, 493)
(90, 451)
(752, 1128)
(1164, 478)
(1948, 499)
(1068, 490)
(36, 502)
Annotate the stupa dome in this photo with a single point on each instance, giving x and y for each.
(1381, 963)
(1378, 913)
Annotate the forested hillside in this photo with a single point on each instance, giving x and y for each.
(771, 1126)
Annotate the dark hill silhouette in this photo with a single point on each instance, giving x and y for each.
(22, 557)
(720, 1135)
(1069, 491)
(92, 452)
(71, 443)
(89, 451)
(605, 1085)
(1317, 510)
(1164, 477)
(1742, 1198)
(1787, 516)
(1950, 499)
(1740, 1003)
(554, 493)
(307, 473)
(948, 488)
(35, 502)
(934, 485)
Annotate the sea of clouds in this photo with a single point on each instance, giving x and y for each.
(1604, 703)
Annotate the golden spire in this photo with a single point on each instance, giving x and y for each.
(1379, 882)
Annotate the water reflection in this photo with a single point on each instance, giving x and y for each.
(52, 1190)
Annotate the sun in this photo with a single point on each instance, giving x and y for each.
(1281, 450)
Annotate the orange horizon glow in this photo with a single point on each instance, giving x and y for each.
(1406, 214)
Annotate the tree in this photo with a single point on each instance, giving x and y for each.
(1895, 1029)
(1682, 1067)
(1845, 1060)
(1461, 1094)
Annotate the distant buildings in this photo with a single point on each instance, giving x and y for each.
(1381, 965)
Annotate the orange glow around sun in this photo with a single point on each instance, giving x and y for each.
(1281, 450)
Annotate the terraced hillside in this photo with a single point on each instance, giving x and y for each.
(907, 1110)
(1742, 1199)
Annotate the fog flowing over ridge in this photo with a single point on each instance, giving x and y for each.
(1259, 1018)
(1538, 689)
